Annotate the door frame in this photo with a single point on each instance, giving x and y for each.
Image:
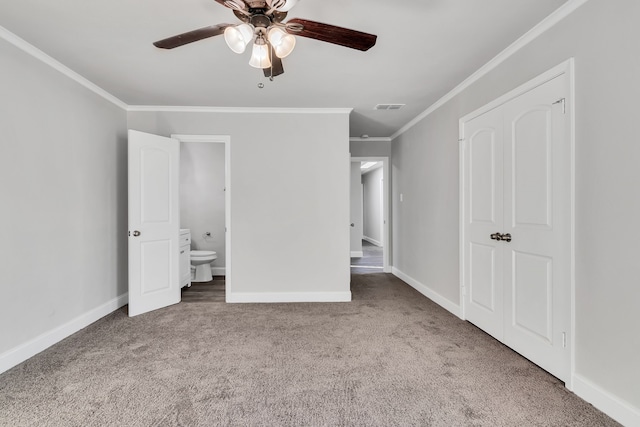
(565, 68)
(226, 140)
(386, 242)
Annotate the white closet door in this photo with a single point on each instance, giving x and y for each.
(483, 269)
(517, 182)
(537, 216)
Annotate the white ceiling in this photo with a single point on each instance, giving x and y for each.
(425, 48)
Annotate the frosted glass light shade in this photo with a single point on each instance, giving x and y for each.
(238, 37)
(260, 55)
(282, 42)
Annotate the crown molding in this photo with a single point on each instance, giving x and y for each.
(236, 110)
(56, 65)
(544, 25)
(370, 139)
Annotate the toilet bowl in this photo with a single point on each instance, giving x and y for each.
(202, 260)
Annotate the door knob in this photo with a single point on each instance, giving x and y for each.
(506, 237)
(496, 236)
(353, 225)
(136, 233)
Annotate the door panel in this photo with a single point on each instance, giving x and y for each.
(155, 171)
(154, 274)
(532, 294)
(531, 140)
(482, 186)
(482, 280)
(537, 204)
(484, 210)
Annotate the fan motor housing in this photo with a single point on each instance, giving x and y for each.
(260, 20)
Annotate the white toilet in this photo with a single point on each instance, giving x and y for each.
(202, 261)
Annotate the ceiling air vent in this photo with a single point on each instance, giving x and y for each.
(389, 106)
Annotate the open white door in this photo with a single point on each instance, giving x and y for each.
(154, 222)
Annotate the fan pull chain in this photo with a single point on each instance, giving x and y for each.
(271, 61)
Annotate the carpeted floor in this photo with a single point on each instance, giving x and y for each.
(391, 357)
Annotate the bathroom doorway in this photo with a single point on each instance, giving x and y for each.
(205, 207)
(369, 215)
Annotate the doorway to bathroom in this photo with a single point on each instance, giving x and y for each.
(369, 215)
(204, 211)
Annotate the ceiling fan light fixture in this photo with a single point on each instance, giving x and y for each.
(282, 5)
(260, 54)
(282, 42)
(238, 37)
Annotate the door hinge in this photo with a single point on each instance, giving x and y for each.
(562, 101)
(564, 340)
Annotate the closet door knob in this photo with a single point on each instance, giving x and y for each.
(496, 236)
(136, 233)
(506, 237)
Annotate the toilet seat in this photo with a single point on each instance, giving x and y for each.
(203, 254)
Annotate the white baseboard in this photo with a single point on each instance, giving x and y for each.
(271, 297)
(17, 355)
(219, 271)
(357, 254)
(428, 292)
(372, 241)
(621, 411)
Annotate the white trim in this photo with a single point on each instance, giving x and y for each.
(17, 355)
(357, 254)
(618, 409)
(56, 65)
(544, 25)
(276, 297)
(372, 241)
(236, 110)
(226, 140)
(386, 207)
(572, 141)
(428, 292)
(370, 139)
(461, 210)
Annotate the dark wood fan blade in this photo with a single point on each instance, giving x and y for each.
(276, 66)
(191, 36)
(331, 34)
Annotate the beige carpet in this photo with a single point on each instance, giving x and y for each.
(390, 357)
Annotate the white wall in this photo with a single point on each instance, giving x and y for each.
(202, 191)
(372, 182)
(604, 38)
(63, 190)
(356, 209)
(289, 188)
(370, 148)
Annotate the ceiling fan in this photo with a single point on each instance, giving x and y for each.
(272, 38)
